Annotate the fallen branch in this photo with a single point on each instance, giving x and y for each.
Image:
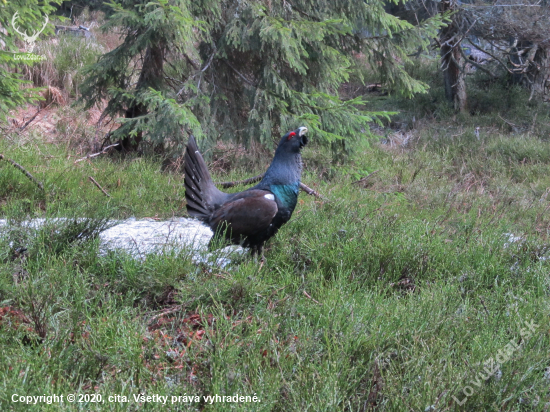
(512, 125)
(249, 181)
(99, 187)
(96, 154)
(30, 120)
(18, 166)
(167, 311)
(364, 179)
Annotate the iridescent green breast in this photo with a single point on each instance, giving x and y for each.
(287, 194)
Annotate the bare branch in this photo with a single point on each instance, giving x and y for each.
(165, 312)
(364, 179)
(29, 121)
(310, 191)
(255, 179)
(491, 55)
(479, 66)
(309, 297)
(96, 154)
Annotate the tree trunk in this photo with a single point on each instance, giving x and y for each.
(540, 85)
(151, 76)
(454, 77)
(452, 62)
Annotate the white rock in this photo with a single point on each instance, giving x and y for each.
(143, 237)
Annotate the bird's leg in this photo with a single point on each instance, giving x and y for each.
(262, 262)
(258, 251)
(254, 253)
(262, 257)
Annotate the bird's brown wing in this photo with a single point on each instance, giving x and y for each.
(248, 214)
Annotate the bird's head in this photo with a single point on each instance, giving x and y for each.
(295, 139)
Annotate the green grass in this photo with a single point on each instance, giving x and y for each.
(389, 296)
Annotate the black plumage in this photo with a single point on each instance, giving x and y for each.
(251, 217)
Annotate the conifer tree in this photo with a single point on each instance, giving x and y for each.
(249, 69)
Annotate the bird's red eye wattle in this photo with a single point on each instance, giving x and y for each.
(291, 135)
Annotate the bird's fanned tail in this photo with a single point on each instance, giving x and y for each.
(201, 194)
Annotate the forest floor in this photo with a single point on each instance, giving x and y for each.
(420, 282)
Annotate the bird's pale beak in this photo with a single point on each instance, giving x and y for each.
(301, 132)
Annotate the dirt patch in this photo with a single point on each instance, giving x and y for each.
(80, 130)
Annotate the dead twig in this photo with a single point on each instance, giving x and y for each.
(277, 291)
(484, 307)
(98, 186)
(96, 154)
(272, 305)
(30, 120)
(512, 125)
(165, 312)
(309, 297)
(364, 179)
(249, 181)
(311, 192)
(476, 64)
(22, 169)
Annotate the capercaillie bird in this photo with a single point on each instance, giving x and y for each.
(251, 217)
